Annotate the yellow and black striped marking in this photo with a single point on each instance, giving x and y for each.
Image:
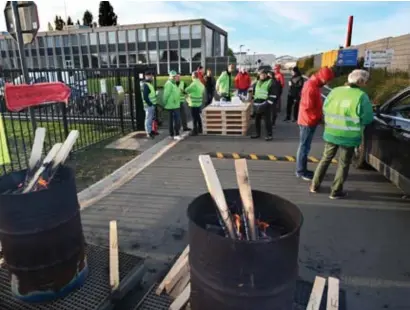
(252, 156)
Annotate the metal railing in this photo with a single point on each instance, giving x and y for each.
(91, 110)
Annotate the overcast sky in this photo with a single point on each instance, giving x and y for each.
(294, 28)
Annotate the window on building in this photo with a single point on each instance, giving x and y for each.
(184, 32)
(83, 39)
(153, 57)
(122, 60)
(208, 42)
(163, 56)
(113, 60)
(51, 62)
(102, 36)
(173, 56)
(217, 44)
(142, 58)
(86, 61)
(104, 60)
(152, 34)
(40, 42)
(173, 33)
(93, 39)
(185, 54)
(57, 42)
(196, 32)
(112, 38)
(66, 40)
(131, 36)
(132, 59)
(142, 35)
(74, 39)
(162, 34)
(223, 40)
(196, 54)
(122, 36)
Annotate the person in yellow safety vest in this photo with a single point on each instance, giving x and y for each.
(225, 83)
(183, 109)
(149, 96)
(347, 110)
(195, 92)
(265, 94)
(172, 104)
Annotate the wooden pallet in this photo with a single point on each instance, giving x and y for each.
(227, 120)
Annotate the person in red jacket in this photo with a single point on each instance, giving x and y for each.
(201, 72)
(243, 82)
(310, 115)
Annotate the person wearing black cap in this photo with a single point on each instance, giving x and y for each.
(276, 103)
(265, 95)
(295, 89)
(149, 97)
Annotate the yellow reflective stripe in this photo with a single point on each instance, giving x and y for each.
(347, 128)
(271, 157)
(219, 155)
(236, 156)
(253, 156)
(290, 158)
(313, 159)
(355, 120)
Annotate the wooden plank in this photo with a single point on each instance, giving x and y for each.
(180, 286)
(180, 271)
(215, 189)
(332, 294)
(316, 294)
(242, 177)
(114, 262)
(182, 299)
(173, 271)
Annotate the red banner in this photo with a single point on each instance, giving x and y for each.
(20, 97)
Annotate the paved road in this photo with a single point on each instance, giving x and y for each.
(362, 240)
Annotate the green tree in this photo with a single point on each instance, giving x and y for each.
(69, 21)
(59, 23)
(88, 18)
(231, 55)
(106, 16)
(78, 22)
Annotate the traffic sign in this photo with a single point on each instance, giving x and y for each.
(347, 57)
(378, 58)
(30, 24)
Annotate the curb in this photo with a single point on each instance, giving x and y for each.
(269, 157)
(125, 173)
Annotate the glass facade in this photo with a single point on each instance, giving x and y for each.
(177, 47)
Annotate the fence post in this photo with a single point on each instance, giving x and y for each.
(131, 98)
(63, 107)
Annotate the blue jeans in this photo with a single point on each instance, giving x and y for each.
(149, 117)
(305, 142)
(174, 122)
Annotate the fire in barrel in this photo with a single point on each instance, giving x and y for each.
(40, 225)
(243, 251)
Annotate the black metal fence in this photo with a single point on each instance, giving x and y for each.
(92, 110)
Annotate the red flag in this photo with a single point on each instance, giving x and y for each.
(21, 96)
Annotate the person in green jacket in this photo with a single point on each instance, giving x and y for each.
(182, 109)
(195, 92)
(225, 83)
(347, 110)
(171, 101)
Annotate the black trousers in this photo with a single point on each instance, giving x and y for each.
(263, 111)
(174, 122)
(196, 119)
(209, 97)
(274, 112)
(292, 104)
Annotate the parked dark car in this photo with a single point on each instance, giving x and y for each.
(386, 143)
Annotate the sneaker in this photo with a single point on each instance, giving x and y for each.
(305, 177)
(313, 189)
(152, 135)
(177, 138)
(255, 137)
(286, 120)
(339, 195)
(268, 138)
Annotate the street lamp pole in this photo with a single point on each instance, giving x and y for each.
(240, 54)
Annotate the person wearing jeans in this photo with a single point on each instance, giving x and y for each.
(310, 115)
(171, 101)
(149, 97)
(347, 111)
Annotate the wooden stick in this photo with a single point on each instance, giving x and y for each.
(181, 270)
(215, 189)
(114, 262)
(180, 286)
(332, 294)
(316, 294)
(173, 271)
(242, 177)
(182, 299)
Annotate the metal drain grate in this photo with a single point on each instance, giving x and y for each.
(152, 301)
(92, 296)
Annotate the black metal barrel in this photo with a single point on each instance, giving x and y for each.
(42, 238)
(229, 274)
